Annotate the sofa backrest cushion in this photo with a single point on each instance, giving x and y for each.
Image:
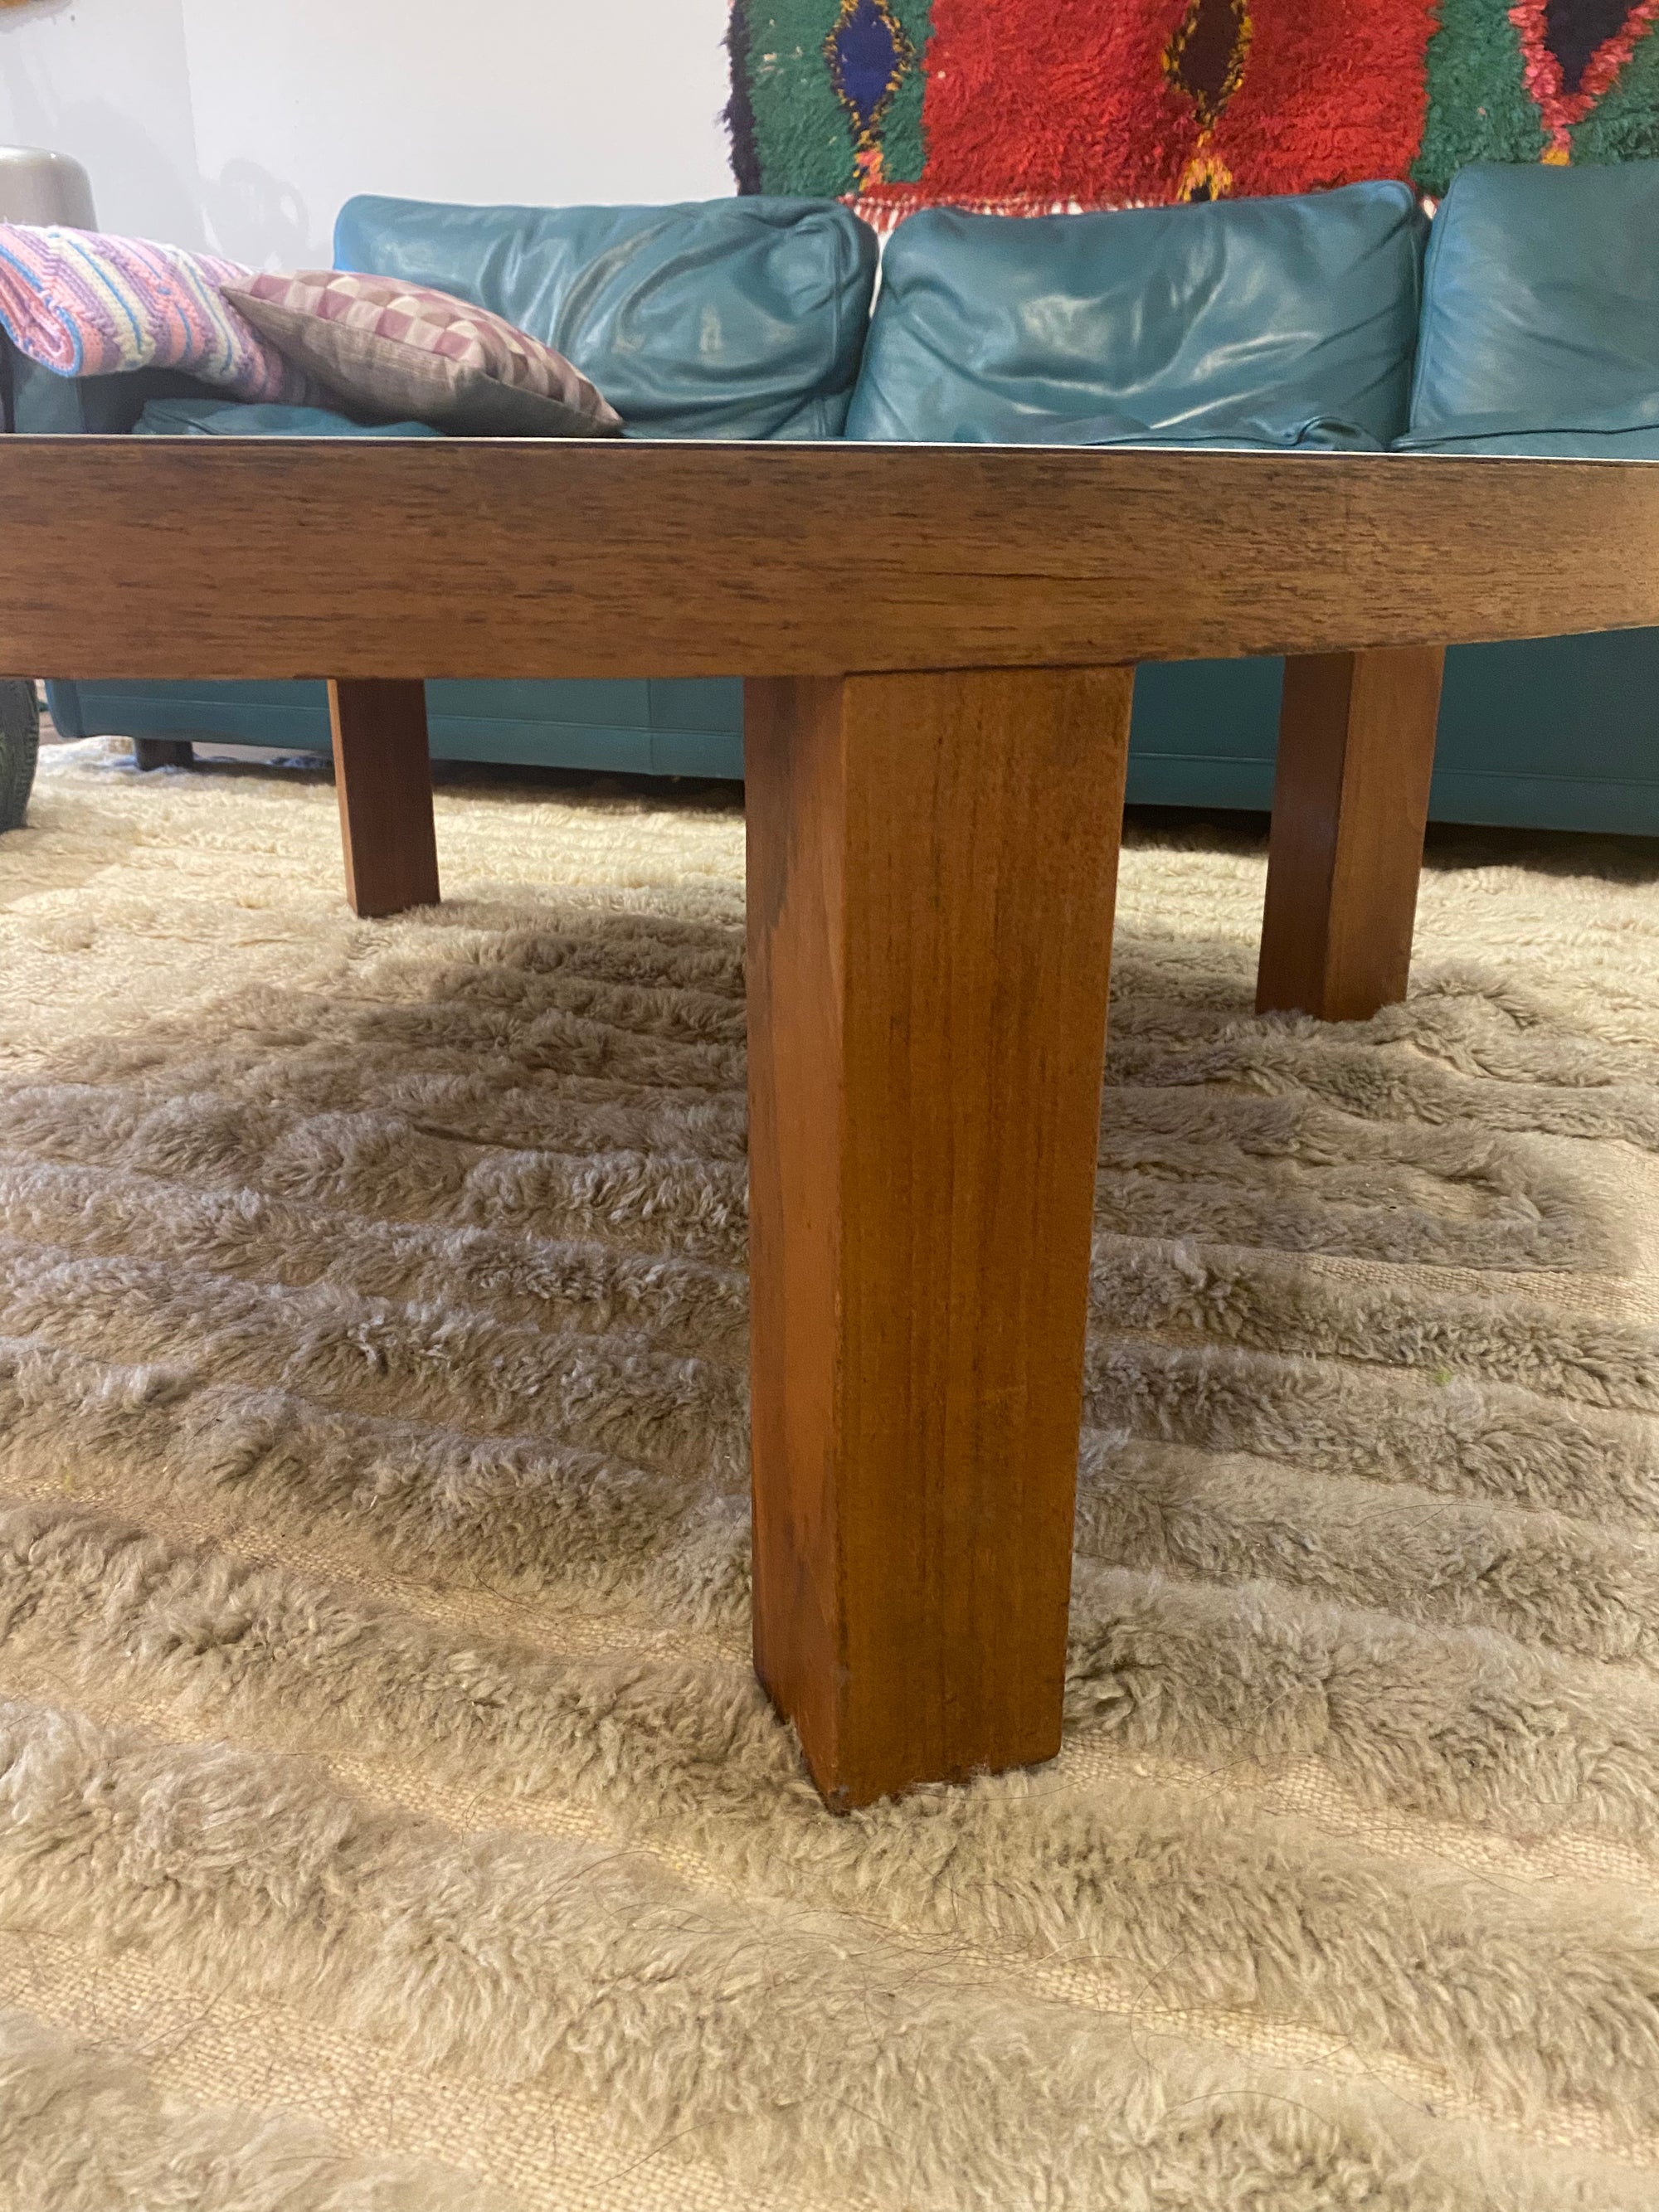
(718, 318)
(1540, 296)
(1187, 318)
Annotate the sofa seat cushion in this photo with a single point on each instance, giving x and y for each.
(1186, 319)
(724, 318)
(1541, 298)
(218, 418)
(1271, 431)
(1617, 434)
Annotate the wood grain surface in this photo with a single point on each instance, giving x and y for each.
(211, 558)
(1351, 804)
(383, 778)
(931, 868)
(932, 865)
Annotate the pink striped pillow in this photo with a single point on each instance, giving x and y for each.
(392, 352)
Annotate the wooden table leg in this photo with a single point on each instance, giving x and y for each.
(932, 860)
(383, 776)
(1351, 803)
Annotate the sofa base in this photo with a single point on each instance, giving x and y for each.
(1205, 732)
(1511, 717)
(248, 714)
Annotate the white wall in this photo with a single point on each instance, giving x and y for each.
(216, 122)
(300, 103)
(108, 81)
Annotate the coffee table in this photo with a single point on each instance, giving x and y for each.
(939, 644)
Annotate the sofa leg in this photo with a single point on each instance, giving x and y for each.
(933, 861)
(163, 752)
(1351, 803)
(383, 776)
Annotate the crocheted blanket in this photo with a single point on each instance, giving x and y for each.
(84, 304)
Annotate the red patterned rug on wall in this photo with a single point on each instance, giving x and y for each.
(1161, 100)
(1036, 104)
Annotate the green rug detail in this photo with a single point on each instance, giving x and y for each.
(807, 139)
(1481, 107)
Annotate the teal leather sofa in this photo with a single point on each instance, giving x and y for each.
(736, 319)
(1282, 322)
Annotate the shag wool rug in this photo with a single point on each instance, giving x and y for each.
(1023, 105)
(388, 1820)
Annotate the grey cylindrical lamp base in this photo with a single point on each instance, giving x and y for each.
(39, 187)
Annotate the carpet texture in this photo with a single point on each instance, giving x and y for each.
(388, 1820)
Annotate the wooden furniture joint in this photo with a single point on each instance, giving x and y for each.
(939, 644)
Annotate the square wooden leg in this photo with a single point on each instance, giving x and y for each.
(163, 752)
(383, 776)
(933, 863)
(1351, 803)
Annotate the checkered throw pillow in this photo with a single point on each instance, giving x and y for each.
(392, 351)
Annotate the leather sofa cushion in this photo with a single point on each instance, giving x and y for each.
(1540, 299)
(722, 318)
(1190, 319)
(1636, 445)
(1580, 433)
(1277, 429)
(232, 418)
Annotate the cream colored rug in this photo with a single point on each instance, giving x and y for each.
(388, 1817)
